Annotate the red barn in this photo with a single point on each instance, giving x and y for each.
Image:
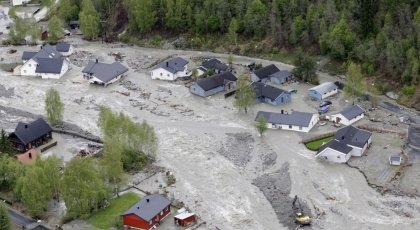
(147, 213)
(184, 219)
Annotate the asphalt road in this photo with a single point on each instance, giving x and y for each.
(19, 219)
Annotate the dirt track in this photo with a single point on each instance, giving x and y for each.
(214, 151)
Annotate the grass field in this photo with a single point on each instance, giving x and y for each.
(108, 217)
(314, 145)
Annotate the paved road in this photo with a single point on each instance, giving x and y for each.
(18, 219)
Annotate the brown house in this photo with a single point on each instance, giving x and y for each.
(27, 136)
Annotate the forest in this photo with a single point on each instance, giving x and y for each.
(383, 36)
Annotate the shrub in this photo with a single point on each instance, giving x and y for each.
(408, 90)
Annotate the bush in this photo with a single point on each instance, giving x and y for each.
(315, 144)
(408, 90)
(133, 160)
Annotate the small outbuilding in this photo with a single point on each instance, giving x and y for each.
(147, 213)
(205, 87)
(184, 219)
(103, 73)
(395, 160)
(64, 48)
(348, 115)
(281, 77)
(323, 91)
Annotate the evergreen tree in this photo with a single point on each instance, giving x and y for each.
(256, 18)
(5, 144)
(142, 15)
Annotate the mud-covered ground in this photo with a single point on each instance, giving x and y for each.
(225, 172)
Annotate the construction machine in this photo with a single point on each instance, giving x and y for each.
(300, 217)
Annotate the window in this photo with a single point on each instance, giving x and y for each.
(168, 74)
(161, 74)
(290, 126)
(300, 127)
(30, 65)
(339, 157)
(24, 70)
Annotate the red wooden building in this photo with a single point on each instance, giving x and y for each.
(184, 219)
(147, 213)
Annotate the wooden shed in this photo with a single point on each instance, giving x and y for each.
(184, 219)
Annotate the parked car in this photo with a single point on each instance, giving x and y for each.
(293, 91)
(325, 103)
(324, 109)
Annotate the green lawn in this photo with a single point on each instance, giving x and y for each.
(106, 218)
(314, 145)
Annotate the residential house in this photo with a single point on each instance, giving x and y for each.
(395, 160)
(147, 213)
(263, 74)
(348, 115)
(212, 64)
(102, 73)
(18, 2)
(348, 141)
(295, 121)
(64, 48)
(323, 91)
(270, 94)
(27, 136)
(184, 219)
(281, 77)
(47, 63)
(171, 69)
(205, 87)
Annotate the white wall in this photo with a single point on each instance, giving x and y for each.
(93, 79)
(68, 53)
(333, 156)
(17, 2)
(332, 92)
(28, 69)
(63, 71)
(162, 74)
(183, 73)
(314, 120)
(344, 120)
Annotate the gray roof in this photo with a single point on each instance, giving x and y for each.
(324, 87)
(352, 112)
(352, 136)
(215, 81)
(295, 118)
(336, 145)
(63, 47)
(395, 158)
(266, 71)
(268, 91)
(148, 207)
(210, 63)
(28, 55)
(173, 65)
(49, 65)
(47, 51)
(281, 74)
(27, 133)
(104, 72)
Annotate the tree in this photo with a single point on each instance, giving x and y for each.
(82, 187)
(194, 74)
(341, 39)
(68, 10)
(305, 67)
(55, 29)
(112, 165)
(232, 31)
(245, 95)
(256, 18)
(54, 107)
(5, 222)
(10, 171)
(354, 82)
(5, 144)
(230, 59)
(261, 125)
(142, 15)
(89, 20)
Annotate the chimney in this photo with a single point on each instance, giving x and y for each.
(147, 200)
(30, 155)
(96, 60)
(138, 207)
(282, 111)
(167, 63)
(342, 137)
(26, 126)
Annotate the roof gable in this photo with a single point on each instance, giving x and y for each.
(149, 206)
(173, 65)
(295, 118)
(266, 71)
(210, 63)
(215, 80)
(335, 145)
(281, 74)
(352, 112)
(103, 71)
(324, 87)
(268, 91)
(352, 136)
(27, 133)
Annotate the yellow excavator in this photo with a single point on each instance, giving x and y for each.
(300, 217)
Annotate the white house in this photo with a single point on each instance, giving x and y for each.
(348, 141)
(46, 63)
(295, 121)
(348, 115)
(170, 69)
(102, 73)
(18, 2)
(323, 91)
(64, 48)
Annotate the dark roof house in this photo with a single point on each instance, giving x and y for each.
(214, 84)
(214, 64)
(63, 47)
(49, 65)
(352, 112)
(173, 65)
(281, 77)
(29, 135)
(148, 212)
(352, 136)
(270, 94)
(264, 72)
(103, 73)
(27, 55)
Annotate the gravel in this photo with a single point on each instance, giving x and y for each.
(81, 58)
(7, 93)
(276, 188)
(237, 148)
